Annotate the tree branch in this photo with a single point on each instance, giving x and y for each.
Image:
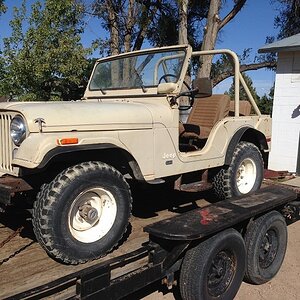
(148, 15)
(236, 9)
(243, 68)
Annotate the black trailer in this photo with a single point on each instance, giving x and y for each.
(210, 250)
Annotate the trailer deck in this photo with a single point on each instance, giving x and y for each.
(131, 266)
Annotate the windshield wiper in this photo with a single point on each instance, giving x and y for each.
(139, 78)
(143, 88)
(102, 91)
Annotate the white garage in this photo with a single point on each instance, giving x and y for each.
(285, 151)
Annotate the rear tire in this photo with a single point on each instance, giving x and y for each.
(266, 242)
(83, 213)
(214, 269)
(244, 174)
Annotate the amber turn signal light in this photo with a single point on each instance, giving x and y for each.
(67, 141)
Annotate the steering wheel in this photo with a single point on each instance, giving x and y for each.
(188, 93)
(164, 77)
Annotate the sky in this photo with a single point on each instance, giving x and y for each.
(248, 29)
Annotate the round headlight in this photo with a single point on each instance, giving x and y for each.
(17, 130)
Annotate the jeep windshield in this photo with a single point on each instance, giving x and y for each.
(140, 70)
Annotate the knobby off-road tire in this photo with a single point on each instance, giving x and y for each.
(83, 213)
(214, 269)
(243, 175)
(266, 242)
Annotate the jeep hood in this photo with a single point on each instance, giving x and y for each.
(82, 115)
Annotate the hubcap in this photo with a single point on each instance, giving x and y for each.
(246, 176)
(221, 273)
(92, 214)
(88, 213)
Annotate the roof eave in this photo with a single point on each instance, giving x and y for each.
(279, 49)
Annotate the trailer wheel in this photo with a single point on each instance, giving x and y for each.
(266, 242)
(243, 175)
(215, 268)
(83, 213)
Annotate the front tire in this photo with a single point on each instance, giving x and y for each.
(244, 174)
(83, 213)
(215, 268)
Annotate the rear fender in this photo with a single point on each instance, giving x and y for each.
(247, 134)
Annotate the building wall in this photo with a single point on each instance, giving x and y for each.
(286, 113)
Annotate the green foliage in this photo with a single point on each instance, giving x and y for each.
(265, 103)
(164, 29)
(288, 19)
(222, 65)
(159, 19)
(47, 60)
(128, 18)
(44, 59)
(243, 95)
(2, 7)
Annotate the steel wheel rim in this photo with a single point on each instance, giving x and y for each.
(92, 214)
(221, 273)
(268, 249)
(246, 175)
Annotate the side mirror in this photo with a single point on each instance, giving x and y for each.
(204, 86)
(166, 88)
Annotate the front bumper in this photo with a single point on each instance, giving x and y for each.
(10, 185)
(5, 194)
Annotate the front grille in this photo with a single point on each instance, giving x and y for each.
(6, 143)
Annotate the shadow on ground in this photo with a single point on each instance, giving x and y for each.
(148, 199)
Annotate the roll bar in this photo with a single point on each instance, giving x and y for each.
(238, 78)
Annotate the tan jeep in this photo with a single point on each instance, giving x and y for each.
(79, 154)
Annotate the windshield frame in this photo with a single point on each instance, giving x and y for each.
(138, 90)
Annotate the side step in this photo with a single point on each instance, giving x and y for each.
(198, 186)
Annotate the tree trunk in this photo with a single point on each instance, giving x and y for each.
(213, 26)
(182, 39)
(127, 67)
(113, 28)
(129, 26)
(182, 30)
(114, 42)
(210, 37)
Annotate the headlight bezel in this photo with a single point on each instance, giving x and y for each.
(18, 130)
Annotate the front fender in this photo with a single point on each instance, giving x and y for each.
(39, 148)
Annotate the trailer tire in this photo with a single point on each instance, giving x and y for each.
(83, 213)
(266, 243)
(244, 174)
(214, 269)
